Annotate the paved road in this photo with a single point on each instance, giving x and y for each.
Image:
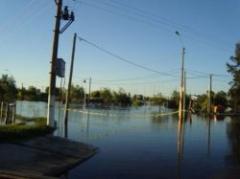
(42, 157)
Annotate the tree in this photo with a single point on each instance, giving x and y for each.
(8, 90)
(220, 98)
(96, 94)
(138, 100)
(106, 95)
(121, 98)
(201, 104)
(158, 99)
(174, 100)
(21, 93)
(33, 94)
(77, 93)
(234, 69)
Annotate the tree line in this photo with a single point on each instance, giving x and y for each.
(105, 96)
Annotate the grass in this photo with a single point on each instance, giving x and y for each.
(23, 131)
(37, 120)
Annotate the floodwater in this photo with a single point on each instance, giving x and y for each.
(134, 144)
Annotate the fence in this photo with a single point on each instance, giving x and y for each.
(7, 113)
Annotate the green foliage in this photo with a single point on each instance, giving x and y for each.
(220, 98)
(233, 133)
(158, 99)
(32, 94)
(77, 94)
(35, 94)
(37, 120)
(138, 100)
(121, 98)
(233, 67)
(107, 97)
(22, 131)
(174, 100)
(8, 90)
(137, 103)
(201, 104)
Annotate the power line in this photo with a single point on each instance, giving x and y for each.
(206, 74)
(224, 81)
(163, 19)
(197, 77)
(23, 15)
(153, 20)
(125, 16)
(16, 17)
(125, 79)
(34, 16)
(31, 15)
(141, 14)
(137, 83)
(149, 14)
(221, 75)
(121, 58)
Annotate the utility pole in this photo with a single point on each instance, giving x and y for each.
(209, 94)
(89, 89)
(51, 93)
(1, 111)
(69, 83)
(22, 92)
(60, 15)
(181, 92)
(184, 91)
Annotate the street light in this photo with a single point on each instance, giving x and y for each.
(89, 91)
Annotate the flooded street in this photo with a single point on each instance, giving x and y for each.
(134, 144)
(119, 77)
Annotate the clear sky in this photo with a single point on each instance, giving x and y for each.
(142, 31)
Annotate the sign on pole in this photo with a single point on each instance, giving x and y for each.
(60, 71)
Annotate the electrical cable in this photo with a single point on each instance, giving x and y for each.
(121, 58)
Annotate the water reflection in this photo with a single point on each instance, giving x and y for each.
(209, 137)
(233, 133)
(104, 122)
(88, 124)
(180, 145)
(31, 109)
(134, 144)
(180, 139)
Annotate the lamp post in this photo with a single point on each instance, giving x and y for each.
(89, 91)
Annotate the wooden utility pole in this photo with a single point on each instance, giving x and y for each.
(210, 94)
(89, 89)
(1, 111)
(181, 92)
(51, 94)
(69, 84)
(184, 91)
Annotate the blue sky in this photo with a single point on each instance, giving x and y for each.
(139, 30)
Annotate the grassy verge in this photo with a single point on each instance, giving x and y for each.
(22, 131)
(36, 120)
